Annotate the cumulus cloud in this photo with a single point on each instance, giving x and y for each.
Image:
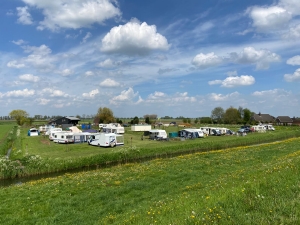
(167, 70)
(275, 93)
(125, 96)
(91, 94)
(269, 18)
(292, 6)
(74, 14)
(204, 61)
(18, 93)
(294, 61)
(53, 92)
(134, 38)
(29, 78)
(292, 77)
(221, 97)
(24, 15)
(234, 81)
(156, 95)
(19, 42)
(15, 64)
(109, 83)
(261, 58)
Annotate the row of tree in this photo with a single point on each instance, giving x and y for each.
(231, 115)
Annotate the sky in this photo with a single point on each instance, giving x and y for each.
(170, 58)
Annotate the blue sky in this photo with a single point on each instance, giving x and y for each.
(170, 58)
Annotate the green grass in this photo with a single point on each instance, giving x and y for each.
(7, 136)
(37, 155)
(243, 185)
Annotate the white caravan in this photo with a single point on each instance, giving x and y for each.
(269, 127)
(52, 132)
(112, 128)
(158, 134)
(63, 137)
(106, 139)
(259, 128)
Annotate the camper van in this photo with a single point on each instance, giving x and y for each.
(259, 128)
(269, 127)
(63, 137)
(106, 139)
(112, 128)
(158, 134)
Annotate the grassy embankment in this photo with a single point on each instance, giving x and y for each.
(37, 155)
(242, 185)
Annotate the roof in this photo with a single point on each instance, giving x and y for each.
(262, 117)
(72, 118)
(284, 119)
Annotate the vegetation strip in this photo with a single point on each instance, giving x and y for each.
(242, 185)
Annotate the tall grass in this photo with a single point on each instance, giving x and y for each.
(241, 185)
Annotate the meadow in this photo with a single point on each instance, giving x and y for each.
(238, 185)
(37, 155)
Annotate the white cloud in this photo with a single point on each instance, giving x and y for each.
(125, 96)
(42, 101)
(15, 64)
(29, 78)
(24, 15)
(234, 81)
(203, 61)
(271, 94)
(91, 94)
(18, 93)
(221, 97)
(66, 72)
(293, 33)
(53, 92)
(294, 61)
(74, 14)
(262, 58)
(109, 83)
(292, 6)
(292, 77)
(134, 38)
(156, 95)
(243, 80)
(107, 63)
(269, 18)
(19, 42)
(89, 73)
(86, 37)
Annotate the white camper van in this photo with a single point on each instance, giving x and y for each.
(269, 127)
(158, 134)
(106, 139)
(63, 137)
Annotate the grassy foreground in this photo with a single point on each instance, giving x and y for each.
(242, 185)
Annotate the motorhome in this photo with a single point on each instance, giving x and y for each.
(63, 137)
(158, 134)
(106, 139)
(53, 129)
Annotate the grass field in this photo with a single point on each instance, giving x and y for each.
(243, 185)
(37, 155)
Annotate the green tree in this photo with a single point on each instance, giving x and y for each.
(135, 120)
(246, 115)
(232, 115)
(19, 115)
(105, 115)
(217, 114)
(147, 120)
